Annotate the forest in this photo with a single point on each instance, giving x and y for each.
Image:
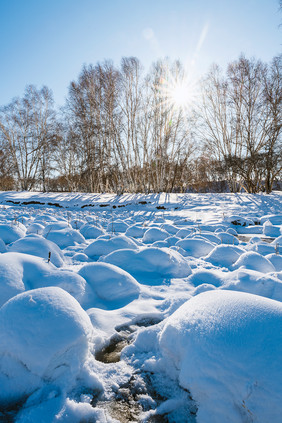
(124, 129)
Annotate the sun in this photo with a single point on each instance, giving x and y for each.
(180, 94)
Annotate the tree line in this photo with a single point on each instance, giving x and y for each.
(124, 130)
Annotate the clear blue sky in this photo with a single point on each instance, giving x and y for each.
(48, 41)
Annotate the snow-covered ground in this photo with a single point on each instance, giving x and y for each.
(140, 308)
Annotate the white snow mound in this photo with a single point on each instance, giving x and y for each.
(40, 247)
(65, 237)
(12, 232)
(91, 231)
(44, 335)
(102, 247)
(155, 234)
(149, 264)
(108, 285)
(196, 247)
(21, 272)
(224, 255)
(226, 350)
(254, 261)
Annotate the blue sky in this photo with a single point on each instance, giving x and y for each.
(48, 41)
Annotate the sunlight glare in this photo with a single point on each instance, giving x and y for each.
(179, 94)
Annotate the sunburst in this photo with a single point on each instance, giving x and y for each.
(178, 93)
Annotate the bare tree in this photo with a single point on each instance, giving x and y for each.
(27, 132)
(273, 145)
(93, 121)
(131, 108)
(169, 130)
(240, 115)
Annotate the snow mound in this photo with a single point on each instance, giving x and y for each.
(10, 233)
(276, 260)
(3, 248)
(44, 336)
(231, 231)
(45, 218)
(108, 286)
(40, 247)
(150, 264)
(254, 261)
(102, 247)
(136, 231)
(171, 229)
(117, 226)
(80, 257)
(56, 226)
(196, 247)
(160, 244)
(254, 282)
(35, 228)
(211, 277)
(270, 230)
(182, 233)
(172, 240)
(275, 219)
(208, 236)
(224, 255)
(278, 242)
(226, 349)
(227, 238)
(263, 248)
(76, 223)
(66, 237)
(20, 272)
(91, 231)
(155, 234)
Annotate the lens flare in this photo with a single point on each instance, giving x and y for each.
(178, 93)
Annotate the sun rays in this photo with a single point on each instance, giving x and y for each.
(178, 93)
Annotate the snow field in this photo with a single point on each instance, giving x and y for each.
(190, 294)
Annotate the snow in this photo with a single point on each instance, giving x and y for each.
(44, 335)
(270, 230)
(227, 238)
(63, 411)
(35, 228)
(196, 247)
(155, 234)
(20, 272)
(90, 231)
(2, 246)
(254, 282)
(276, 261)
(54, 226)
(150, 263)
(37, 246)
(117, 226)
(238, 220)
(102, 247)
(12, 232)
(224, 255)
(136, 231)
(108, 286)
(212, 277)
(254, 261)
(274, 219)
(187, 286)
(225, 348)
(182, 233)
(65, 237)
